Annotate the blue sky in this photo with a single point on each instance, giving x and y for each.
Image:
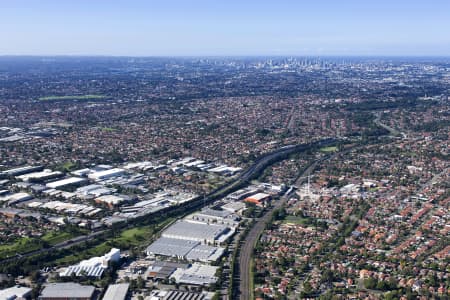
(225, 27)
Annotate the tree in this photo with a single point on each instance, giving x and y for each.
(307, 288)
(327, 276)
(133, 285)
(279, 214)
(382, 285)
(370, 283)
(140, 284)
(35, 276)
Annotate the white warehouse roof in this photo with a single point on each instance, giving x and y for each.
(106, 174)
(188, 230)
(197, 274)
(65, 182)
(15, 292)
(116, 291)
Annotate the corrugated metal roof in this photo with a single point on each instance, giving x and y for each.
(116, 292)
(67, 290)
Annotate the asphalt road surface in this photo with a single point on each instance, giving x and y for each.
(245, 256)
(246, 252)
(256, 168)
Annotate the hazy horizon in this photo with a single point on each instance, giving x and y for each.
(220, 56)
(202, 28)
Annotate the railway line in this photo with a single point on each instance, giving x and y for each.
(243, 178)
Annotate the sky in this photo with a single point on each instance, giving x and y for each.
(225, 27)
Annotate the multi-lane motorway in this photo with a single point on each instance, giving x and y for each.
(243, 178)
(245, 254)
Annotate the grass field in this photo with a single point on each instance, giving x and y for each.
(26, 244)
(68, 166)
(108, 129)
(329, 149)
(296, 220)
(20, 246)
(127, 239)
(53, 238)
(72, 97)
(137, 237)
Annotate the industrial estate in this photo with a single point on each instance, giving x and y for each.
(224, 178)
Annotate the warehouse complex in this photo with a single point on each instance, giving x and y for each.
(197, 274)
(198, 231)
(184, 249)
(195, 238)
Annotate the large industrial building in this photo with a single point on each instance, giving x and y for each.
(195, 238)
(259, 199)
(196, 274)
(180, 295)
(15, 293)
(205, 253)
(234, 207)
(215, 216)
(15, 198)
(93, 267)
(196, 231)
(106, 174)
(21, 171)
(67, 291)
(71, 181)
(117, 292)
(163, 269)
(40, 176)
(111, 200)
(184, 249)
(171, 247)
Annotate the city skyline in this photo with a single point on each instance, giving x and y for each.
(204, 28)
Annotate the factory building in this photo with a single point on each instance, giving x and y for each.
(40, 176)
(184, 249)
(165, 246)
(163, 269)
(196, 231)
(67, 291)
(21, 171)
(196, 274)
(117, 292)
(215, 216)
(16, 293)
(106, 174)
(15, 198)
(180, 295)
(93, 267)
(71, 181)
(259, 199)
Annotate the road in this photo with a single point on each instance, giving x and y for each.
(391, 130)
(291, 120)
(246, 252)
(243, 178)
(251, 239)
